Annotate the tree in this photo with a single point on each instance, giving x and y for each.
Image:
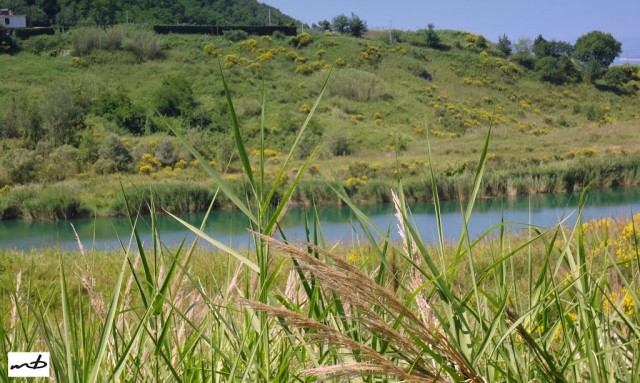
(522, 46)
(432, 38)
(325, 25)
(340, 24)
(553, 48)
(504, 45)
(596, 51)
(357, 26)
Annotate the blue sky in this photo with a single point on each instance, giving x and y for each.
(555, 19)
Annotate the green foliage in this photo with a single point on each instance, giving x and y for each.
(236, 35)
(544, 48)
(113, 156)
(357, 85)
(7, 45)
(343, 24)
(597, 48)
(118, 107)
(302, 40)
(63, 111)
(523, 46)
(166, 153)
(504, 45)
(432, 40)
(357, 26)
(340, 144)
(340, 24)
(21, 165)
(557, 70)
(61, 163)
(174, 97)
(616, 76)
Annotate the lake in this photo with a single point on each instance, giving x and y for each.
(338, 223)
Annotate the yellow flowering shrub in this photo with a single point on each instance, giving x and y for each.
(211, 49)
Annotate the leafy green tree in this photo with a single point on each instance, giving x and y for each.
(357, 26)
(340, 24)
(504, 45)
(596, 51)
(324, 25)
(432, 39)
(553, 48)
(523, 46)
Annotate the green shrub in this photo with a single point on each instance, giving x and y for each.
(357, 85)
(236, 35)
(302, 40)
(114, 156)
(21, 165)
(174, 97)
(557, 70)
(86, 39)
(616, 76)
(144, 44)
(339, 144)
(166, 153)
(118, 107)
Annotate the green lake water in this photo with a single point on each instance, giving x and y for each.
(337, 223)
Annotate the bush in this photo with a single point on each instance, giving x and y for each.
(166, 153)
(21, 165)
(557, 70)
(340, 144)
(236, 35)
(301, 40)
(174, 97)
(114, 156)
(357, 85)
(62, 163)
(84, 40)
(145, 45)
(616, 76)
(118, 107)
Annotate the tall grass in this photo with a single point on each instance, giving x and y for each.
(546, 306)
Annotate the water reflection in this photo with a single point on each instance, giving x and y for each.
(337, 223)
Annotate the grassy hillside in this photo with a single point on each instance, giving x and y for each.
(85, 110)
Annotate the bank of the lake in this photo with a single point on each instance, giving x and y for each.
(338, 224)
(105, 196)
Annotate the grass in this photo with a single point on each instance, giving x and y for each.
(552, 304)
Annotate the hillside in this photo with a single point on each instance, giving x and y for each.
(62, 99)
(108, 12)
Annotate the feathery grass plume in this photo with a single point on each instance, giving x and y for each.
(415, 350)
(411, 248)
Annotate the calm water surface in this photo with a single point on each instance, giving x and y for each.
(337, 223)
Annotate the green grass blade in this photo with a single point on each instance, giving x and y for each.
(108, 325)
(218, 244)
(235, 126)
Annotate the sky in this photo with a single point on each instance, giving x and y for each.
(564, 20)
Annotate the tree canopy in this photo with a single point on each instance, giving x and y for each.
(598, 48)
(106, 12)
